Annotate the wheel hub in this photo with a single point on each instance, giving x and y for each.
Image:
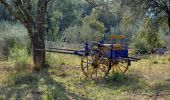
(95, 64)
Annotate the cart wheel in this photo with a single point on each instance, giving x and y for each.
(120, 66)
(95, 65)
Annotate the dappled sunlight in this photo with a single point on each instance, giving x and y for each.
(84, 50)
(144, 79)
(36, 86)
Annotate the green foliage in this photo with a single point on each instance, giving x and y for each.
(53, 92)
(22, 78)
(87, 33)
(19, 55)
(94, 23)
(118, 78)
(12, 33)
(146, 40)
(139, 44)
(14, 43)
(63, 13)
(90, 30)
(75, 34)
(72, 34)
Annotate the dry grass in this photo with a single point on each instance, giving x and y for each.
(146, 79)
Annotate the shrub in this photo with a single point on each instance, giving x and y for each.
(72, 34)
(12, 33)
(146, 40)
(138, 45)
(19, 55)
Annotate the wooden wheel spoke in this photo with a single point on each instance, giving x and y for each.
(122, 65)
(116, 68)
(120, 68)
(95, 65)
(102, 70)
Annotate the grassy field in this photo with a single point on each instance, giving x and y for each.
(148, 79)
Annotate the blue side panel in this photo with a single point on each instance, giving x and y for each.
(119, 53)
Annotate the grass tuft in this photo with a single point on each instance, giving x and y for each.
(22, 78)
(20, 57)
(117, 78)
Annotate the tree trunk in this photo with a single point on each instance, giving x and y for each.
(37, 42)
(38, 55)
(37, 35)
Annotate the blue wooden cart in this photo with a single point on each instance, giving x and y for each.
(99, 58)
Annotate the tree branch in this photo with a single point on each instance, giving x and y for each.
(26, 9)
(9, 8)
(162, 5)
(97, 7)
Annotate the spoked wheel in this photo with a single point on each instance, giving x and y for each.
(95, 65)
(120, 66)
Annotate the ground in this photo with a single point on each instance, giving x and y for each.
(147, 79)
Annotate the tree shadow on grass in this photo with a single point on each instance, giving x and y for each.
(58, 92)
(36, 86)
(21, 85)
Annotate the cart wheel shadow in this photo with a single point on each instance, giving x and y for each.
(28, 87)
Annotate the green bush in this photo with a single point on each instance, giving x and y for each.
(138, 45)
(19, 56)
(12, 33)
(87, 33)
(75, 34)
(90, 30)
(72, 34)
(146, 40)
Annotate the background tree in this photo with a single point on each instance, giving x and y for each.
(157, 9)
(22, 10)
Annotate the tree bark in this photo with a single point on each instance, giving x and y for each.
(38, 55)
(37, 42)
(39, 36)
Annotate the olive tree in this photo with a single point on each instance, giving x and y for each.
(22, 10)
